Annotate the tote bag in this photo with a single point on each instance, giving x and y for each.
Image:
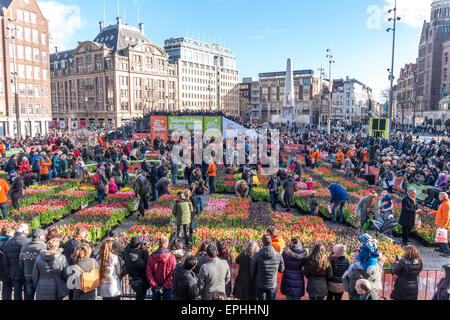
(441, 235)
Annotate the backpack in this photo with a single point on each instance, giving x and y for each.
(90, 280)
(95, 179)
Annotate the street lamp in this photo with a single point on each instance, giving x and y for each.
(16, 89)
(331, 61)
(391, 75)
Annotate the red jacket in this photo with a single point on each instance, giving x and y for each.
(160, 266)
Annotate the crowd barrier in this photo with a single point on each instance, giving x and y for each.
(428, 281)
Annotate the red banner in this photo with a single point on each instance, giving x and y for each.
(55, 124)
(117, 141)
(292, 147)
(140, 136)
(83, 124)
(159, 127)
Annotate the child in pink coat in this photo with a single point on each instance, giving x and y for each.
(309, 184)
(112, 188)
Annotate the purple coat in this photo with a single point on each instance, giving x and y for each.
(293, 282)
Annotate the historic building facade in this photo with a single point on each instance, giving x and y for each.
(25, 66)
(109, 81)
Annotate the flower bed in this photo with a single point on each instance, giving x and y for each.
(45, 212)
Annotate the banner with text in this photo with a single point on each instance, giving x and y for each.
(186, 123)
(140, 136)
(212, 126)
(158, 125)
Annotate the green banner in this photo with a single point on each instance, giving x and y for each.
(212, 126)
(12, 152)
(185, 123)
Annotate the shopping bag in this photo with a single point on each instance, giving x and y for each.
(441, 235)
(255, 181)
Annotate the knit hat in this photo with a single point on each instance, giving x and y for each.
(365, 239)
(135, 242)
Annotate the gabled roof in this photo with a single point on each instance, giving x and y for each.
(6, 4)
(118, 37)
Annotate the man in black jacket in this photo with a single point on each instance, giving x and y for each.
(6, 233)
(188, 171)
(28, 256)
(141, 189)
(264, 270)
(432, 197)
(136, 258)
(16, 189)
(11, 259)
(185, 286)
(153, 180)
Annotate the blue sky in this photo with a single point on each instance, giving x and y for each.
(263, 33)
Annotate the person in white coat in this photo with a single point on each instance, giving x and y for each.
(110, 272)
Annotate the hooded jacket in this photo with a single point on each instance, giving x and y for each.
(265, 267)
(11, 253)
(214, 277)
(141, 186)
(160, 266)
(338, 193)
(136, 262)
(28, 256)
(48, 274)
(184, 284)
(3, 241)
(293, 282)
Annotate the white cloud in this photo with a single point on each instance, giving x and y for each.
(412, 12)
(64, 21)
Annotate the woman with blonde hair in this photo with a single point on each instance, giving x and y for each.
(407, 268)
(110, 271)
(339, 264)
(245, 288)
(48, 273)
(82, 263)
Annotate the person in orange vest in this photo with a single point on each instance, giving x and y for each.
(340, 159)
(212, 176)
(316, 156)
(443, 221)
(44, 164)
(366, 161)
(3, 150)
(351, 153)
(4, 189)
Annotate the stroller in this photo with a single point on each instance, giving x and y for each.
(384, 226)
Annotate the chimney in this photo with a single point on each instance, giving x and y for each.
(141, 27)
(102, 25)
(56, 49)
(119, 21)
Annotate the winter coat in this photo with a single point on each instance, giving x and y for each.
(136, 263)
(214, 276)
(289, 187)
(49, 274)
(28, 256)
(363, 206)
(239, 191)
(154, 175)
(317, 280)
(293, 282)
(373, 275)
(160, 266)
(347, 167)
(16, 190)
(212, 170)
(185, 286)
(117, 175)
(110, 286)
(298, 169)
(141, 186)
(101, 186)
(338, 193)
(407, 285)
(183, 211)
(244, 287)
(11, 254)
(202, 259)
(173, 168)
(3, 274)
(70, 246)
(273, 185)
(443, 215)
(265, 267)
(73, 275)
(339, 266)
(408, 214)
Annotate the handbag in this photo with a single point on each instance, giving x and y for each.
(441, 235)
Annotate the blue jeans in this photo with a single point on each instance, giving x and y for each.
(29, 290)
(4, 208)
(274, 200)
(18, 286)
(313, 212)
(167, 294)
(444, 248)
(265, 294)
(7, 289)
(292, 298)
(100, 195)
(212, 187)
(154, 192)
(126, 178)
(341, 205)
(198, 203)
(174, 179)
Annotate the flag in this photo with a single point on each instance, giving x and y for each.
(443, 93)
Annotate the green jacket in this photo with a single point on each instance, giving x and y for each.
(182, 211)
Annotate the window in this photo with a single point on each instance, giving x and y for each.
(43, 39)
(23, 108)
(36, 54)
(19, 33)
(37, 73)
(37, 91)
(30, 108)
(27, 34)
(21, 71)
(46, 109)
(26, 16)
(45, 92)
(33, 18)
(35, 36)
(44, 74)
(28, 54)
(30, 91)
(19, 14)
(44, 56)
(11, 51)
(29, 72)
(22, 89)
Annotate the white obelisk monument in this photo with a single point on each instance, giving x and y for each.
(289, 94)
